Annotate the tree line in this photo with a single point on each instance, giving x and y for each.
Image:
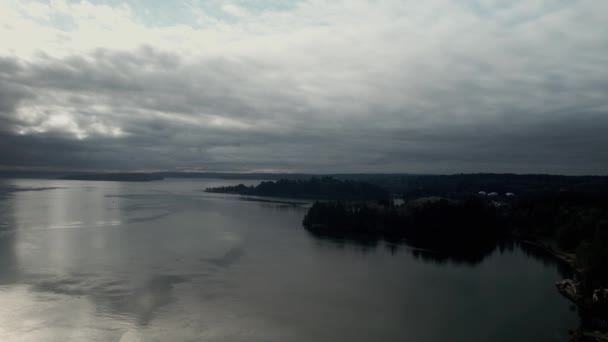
(314, 187)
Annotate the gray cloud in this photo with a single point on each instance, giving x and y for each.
(11, 93)
(525, 95)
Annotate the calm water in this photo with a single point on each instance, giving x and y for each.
(164, 261)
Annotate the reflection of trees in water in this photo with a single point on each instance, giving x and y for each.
(341, 241)
(465, 257)
(541, 255)
(443, 254)
(426, 253)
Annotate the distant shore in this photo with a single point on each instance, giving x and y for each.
(569, 259)
(116, 177)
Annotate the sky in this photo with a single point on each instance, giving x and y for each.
(391, 86)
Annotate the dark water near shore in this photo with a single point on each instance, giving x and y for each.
(164, 261)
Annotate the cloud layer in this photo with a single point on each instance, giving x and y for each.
(315, 86)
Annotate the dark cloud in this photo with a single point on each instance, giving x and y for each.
(11, 92)
(384, 97)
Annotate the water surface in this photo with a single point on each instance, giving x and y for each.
(164, 261)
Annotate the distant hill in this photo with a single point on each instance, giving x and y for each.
(414, 186)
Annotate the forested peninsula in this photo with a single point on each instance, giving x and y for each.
(322, 188)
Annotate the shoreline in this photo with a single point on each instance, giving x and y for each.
(568, 259)
(578, 334)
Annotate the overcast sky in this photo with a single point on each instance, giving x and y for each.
(433, 86)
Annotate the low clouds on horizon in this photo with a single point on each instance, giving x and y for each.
(435, 86)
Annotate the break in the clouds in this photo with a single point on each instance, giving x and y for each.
(436, 86)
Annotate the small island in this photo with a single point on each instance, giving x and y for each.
(116, 177)
(323, 188)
